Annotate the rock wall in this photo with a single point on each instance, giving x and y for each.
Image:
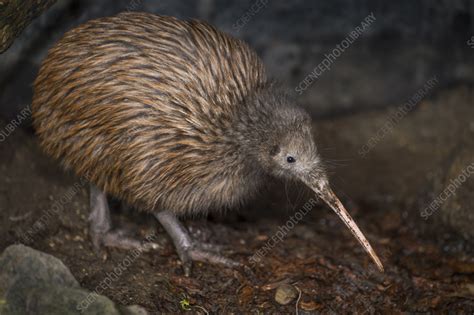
(408, 43)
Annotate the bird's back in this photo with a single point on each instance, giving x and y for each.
(144, 105)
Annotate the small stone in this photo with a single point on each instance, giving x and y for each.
(470, 288)
(134, 310)
(285, 294)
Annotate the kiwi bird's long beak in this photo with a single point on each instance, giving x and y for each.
(323, 190)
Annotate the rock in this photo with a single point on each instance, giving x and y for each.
(285, 293)
(32, 282)
(52, 299)
(458, 185)
(367, 75)
(27, 266)
(470, 288)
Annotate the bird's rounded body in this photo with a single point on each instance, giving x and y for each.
(171, 117)
(149, 108)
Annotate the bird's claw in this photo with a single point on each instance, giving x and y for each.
(204, 253)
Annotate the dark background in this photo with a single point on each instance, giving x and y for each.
(429, 263)
(410, 42)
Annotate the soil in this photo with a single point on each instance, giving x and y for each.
(424, 273)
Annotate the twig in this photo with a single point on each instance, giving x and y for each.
(20, 217)
(202, 308)
(297, 300)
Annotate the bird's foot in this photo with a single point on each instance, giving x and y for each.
(190, 250)
(101, 227)
(204, 253)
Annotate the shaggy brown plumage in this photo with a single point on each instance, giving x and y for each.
(172, 115)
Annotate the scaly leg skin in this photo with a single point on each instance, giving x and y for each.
(101, 226)
(189, 250)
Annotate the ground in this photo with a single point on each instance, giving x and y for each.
(424, 273)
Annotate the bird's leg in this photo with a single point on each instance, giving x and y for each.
(100, 227)
(188, 249)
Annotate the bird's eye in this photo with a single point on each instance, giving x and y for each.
(290, 159)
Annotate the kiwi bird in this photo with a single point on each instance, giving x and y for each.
(173, 117)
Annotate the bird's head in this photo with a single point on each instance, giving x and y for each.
(287, 149)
